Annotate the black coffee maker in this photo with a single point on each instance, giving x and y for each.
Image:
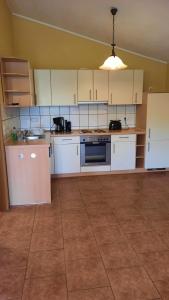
(68, 126)
(59, 124)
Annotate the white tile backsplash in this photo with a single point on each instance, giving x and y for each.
(102, 121)
(84, 121)
(35, 111)
(45, 122)
(54, 111)
(64, 110)
(75, 120)
(35, 121)
(44, 110)
(93, 121)
(74, 110)
(81, 116)
(25, 122)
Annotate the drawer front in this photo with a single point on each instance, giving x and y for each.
(123, 138)
(67, 140)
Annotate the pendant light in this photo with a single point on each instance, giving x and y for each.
(113, 62)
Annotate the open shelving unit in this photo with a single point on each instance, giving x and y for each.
(140, 150)
(17, 81)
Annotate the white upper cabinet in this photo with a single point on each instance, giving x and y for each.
(121, 87)
(85, 85)
(125, 87)
(100, 91)
(92, 85)
(64, 87)
(138, 87)
(42, 87)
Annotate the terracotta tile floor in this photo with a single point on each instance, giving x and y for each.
(102, 238)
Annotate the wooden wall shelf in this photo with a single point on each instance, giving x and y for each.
(17, 82)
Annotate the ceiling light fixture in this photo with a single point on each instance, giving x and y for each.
(113, 62)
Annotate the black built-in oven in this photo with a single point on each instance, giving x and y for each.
(95, 150)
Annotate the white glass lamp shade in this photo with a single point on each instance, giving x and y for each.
(113, 63)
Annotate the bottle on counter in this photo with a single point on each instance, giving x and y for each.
(14, 135)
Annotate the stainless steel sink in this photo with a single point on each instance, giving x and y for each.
(34, 137)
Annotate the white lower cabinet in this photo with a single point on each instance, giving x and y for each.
(123, 152)
(66, 155)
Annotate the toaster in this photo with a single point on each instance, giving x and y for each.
(115, 125)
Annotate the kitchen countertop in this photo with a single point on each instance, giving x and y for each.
(106, 132)
(41, 142)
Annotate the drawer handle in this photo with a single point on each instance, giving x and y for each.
(67, 140)
(123, 137)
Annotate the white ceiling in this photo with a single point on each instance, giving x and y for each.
(141, 26)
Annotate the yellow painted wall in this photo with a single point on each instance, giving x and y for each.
(6, 43)
(47, 47)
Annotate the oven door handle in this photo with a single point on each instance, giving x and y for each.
(93, 143)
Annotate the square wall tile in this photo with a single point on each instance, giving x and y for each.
(102, 109)
(74, 110)
(64, 110)
(93, 121)
(84, 109)
(121, 118)
(24, 111)
(34, 111)
(112, 109)
(130, 109)
(44, 110)
(84, 121)
(45, 122)
(25, 122)
(111, 117)
(102, 120)
(35, 122)
(75, 120)
(131, 120)
(121, 109)
(54, 111)
(93, 109)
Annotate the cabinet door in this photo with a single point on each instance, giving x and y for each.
(157, 117)
(42, 87)
(28, 175)
(123, 155)
(100, 85)
(85, 85)
(64, 87)
(121, 87)
(138, 87)
(67, 158)
(157, 154)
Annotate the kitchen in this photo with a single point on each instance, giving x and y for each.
(86, 225)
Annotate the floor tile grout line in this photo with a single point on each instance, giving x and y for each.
(64, 252)
(28, 253)
(101, 258)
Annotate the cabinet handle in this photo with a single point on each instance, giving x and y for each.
(90, 94)
(114, 148)
(149, 133)
(148, 147)
(74, 98)
(123, 137)
(77, 150)
(135, 97)
(111, 98)
(66, 139)
(96, 94)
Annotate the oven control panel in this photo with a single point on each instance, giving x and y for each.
(94, 138)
